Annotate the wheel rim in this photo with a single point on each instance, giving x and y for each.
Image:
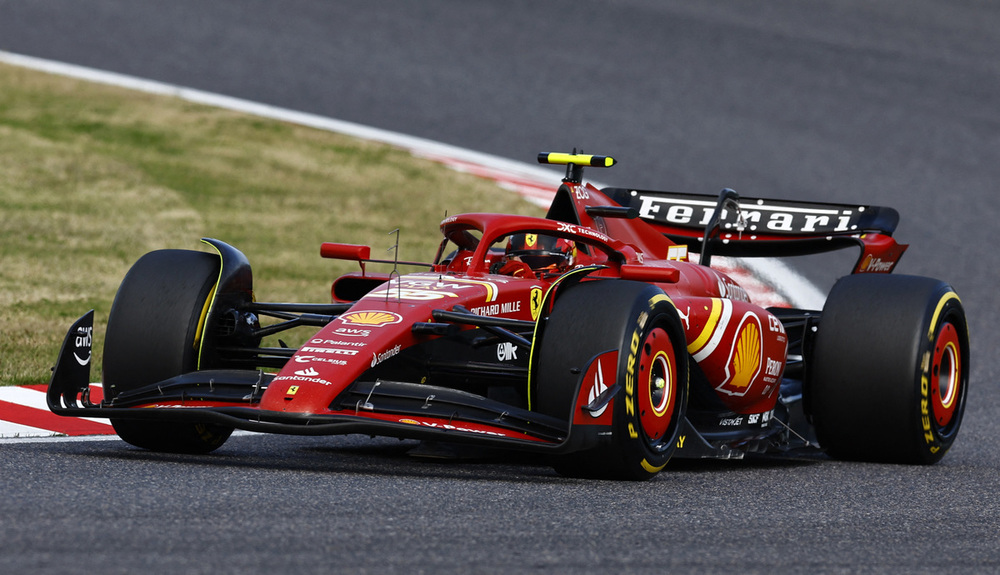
(946, 375)
(658, 374)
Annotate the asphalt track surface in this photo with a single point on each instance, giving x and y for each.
(889, 103)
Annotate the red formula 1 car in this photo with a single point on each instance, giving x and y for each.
(587, 335)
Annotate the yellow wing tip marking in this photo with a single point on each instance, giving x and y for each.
(577, 159)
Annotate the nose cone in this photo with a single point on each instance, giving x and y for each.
(334, 358)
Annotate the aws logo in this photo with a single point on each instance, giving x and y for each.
(745, 358)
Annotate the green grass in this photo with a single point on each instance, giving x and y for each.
(92, 177)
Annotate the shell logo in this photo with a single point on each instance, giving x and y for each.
(745, 358)
(876, 265)
(371, 318)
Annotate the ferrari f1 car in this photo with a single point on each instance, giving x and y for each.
(590, 335)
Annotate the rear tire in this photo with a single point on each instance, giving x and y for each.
(640, 322)
(153, 334)
(889, 371)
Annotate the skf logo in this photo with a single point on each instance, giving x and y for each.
(371, 318)
(506, 351)
(745, 358)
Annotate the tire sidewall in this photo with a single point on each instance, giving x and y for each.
(647, 455)
(156, 320)
(590, 319)
(155, 315)
(869, 375)
(946, 309)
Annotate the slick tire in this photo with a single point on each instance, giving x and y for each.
(153, 334)
(641, 323)
(889, 372)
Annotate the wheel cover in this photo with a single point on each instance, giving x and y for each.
(946, 375)
(658, 378)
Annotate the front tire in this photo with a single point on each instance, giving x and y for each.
(153, 334)
(640, 322)
(890, 368)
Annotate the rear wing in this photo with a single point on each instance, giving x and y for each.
(729, 225)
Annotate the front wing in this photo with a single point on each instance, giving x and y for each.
(386, 408)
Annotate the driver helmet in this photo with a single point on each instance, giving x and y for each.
(540, 252)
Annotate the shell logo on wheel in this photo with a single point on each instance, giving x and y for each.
(371, 318)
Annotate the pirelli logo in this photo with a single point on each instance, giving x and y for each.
(759, 216)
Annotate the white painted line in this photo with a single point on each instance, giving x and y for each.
(24, 396)
(13, 431)
(35, 435)
(53, 437)
(36, 400)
